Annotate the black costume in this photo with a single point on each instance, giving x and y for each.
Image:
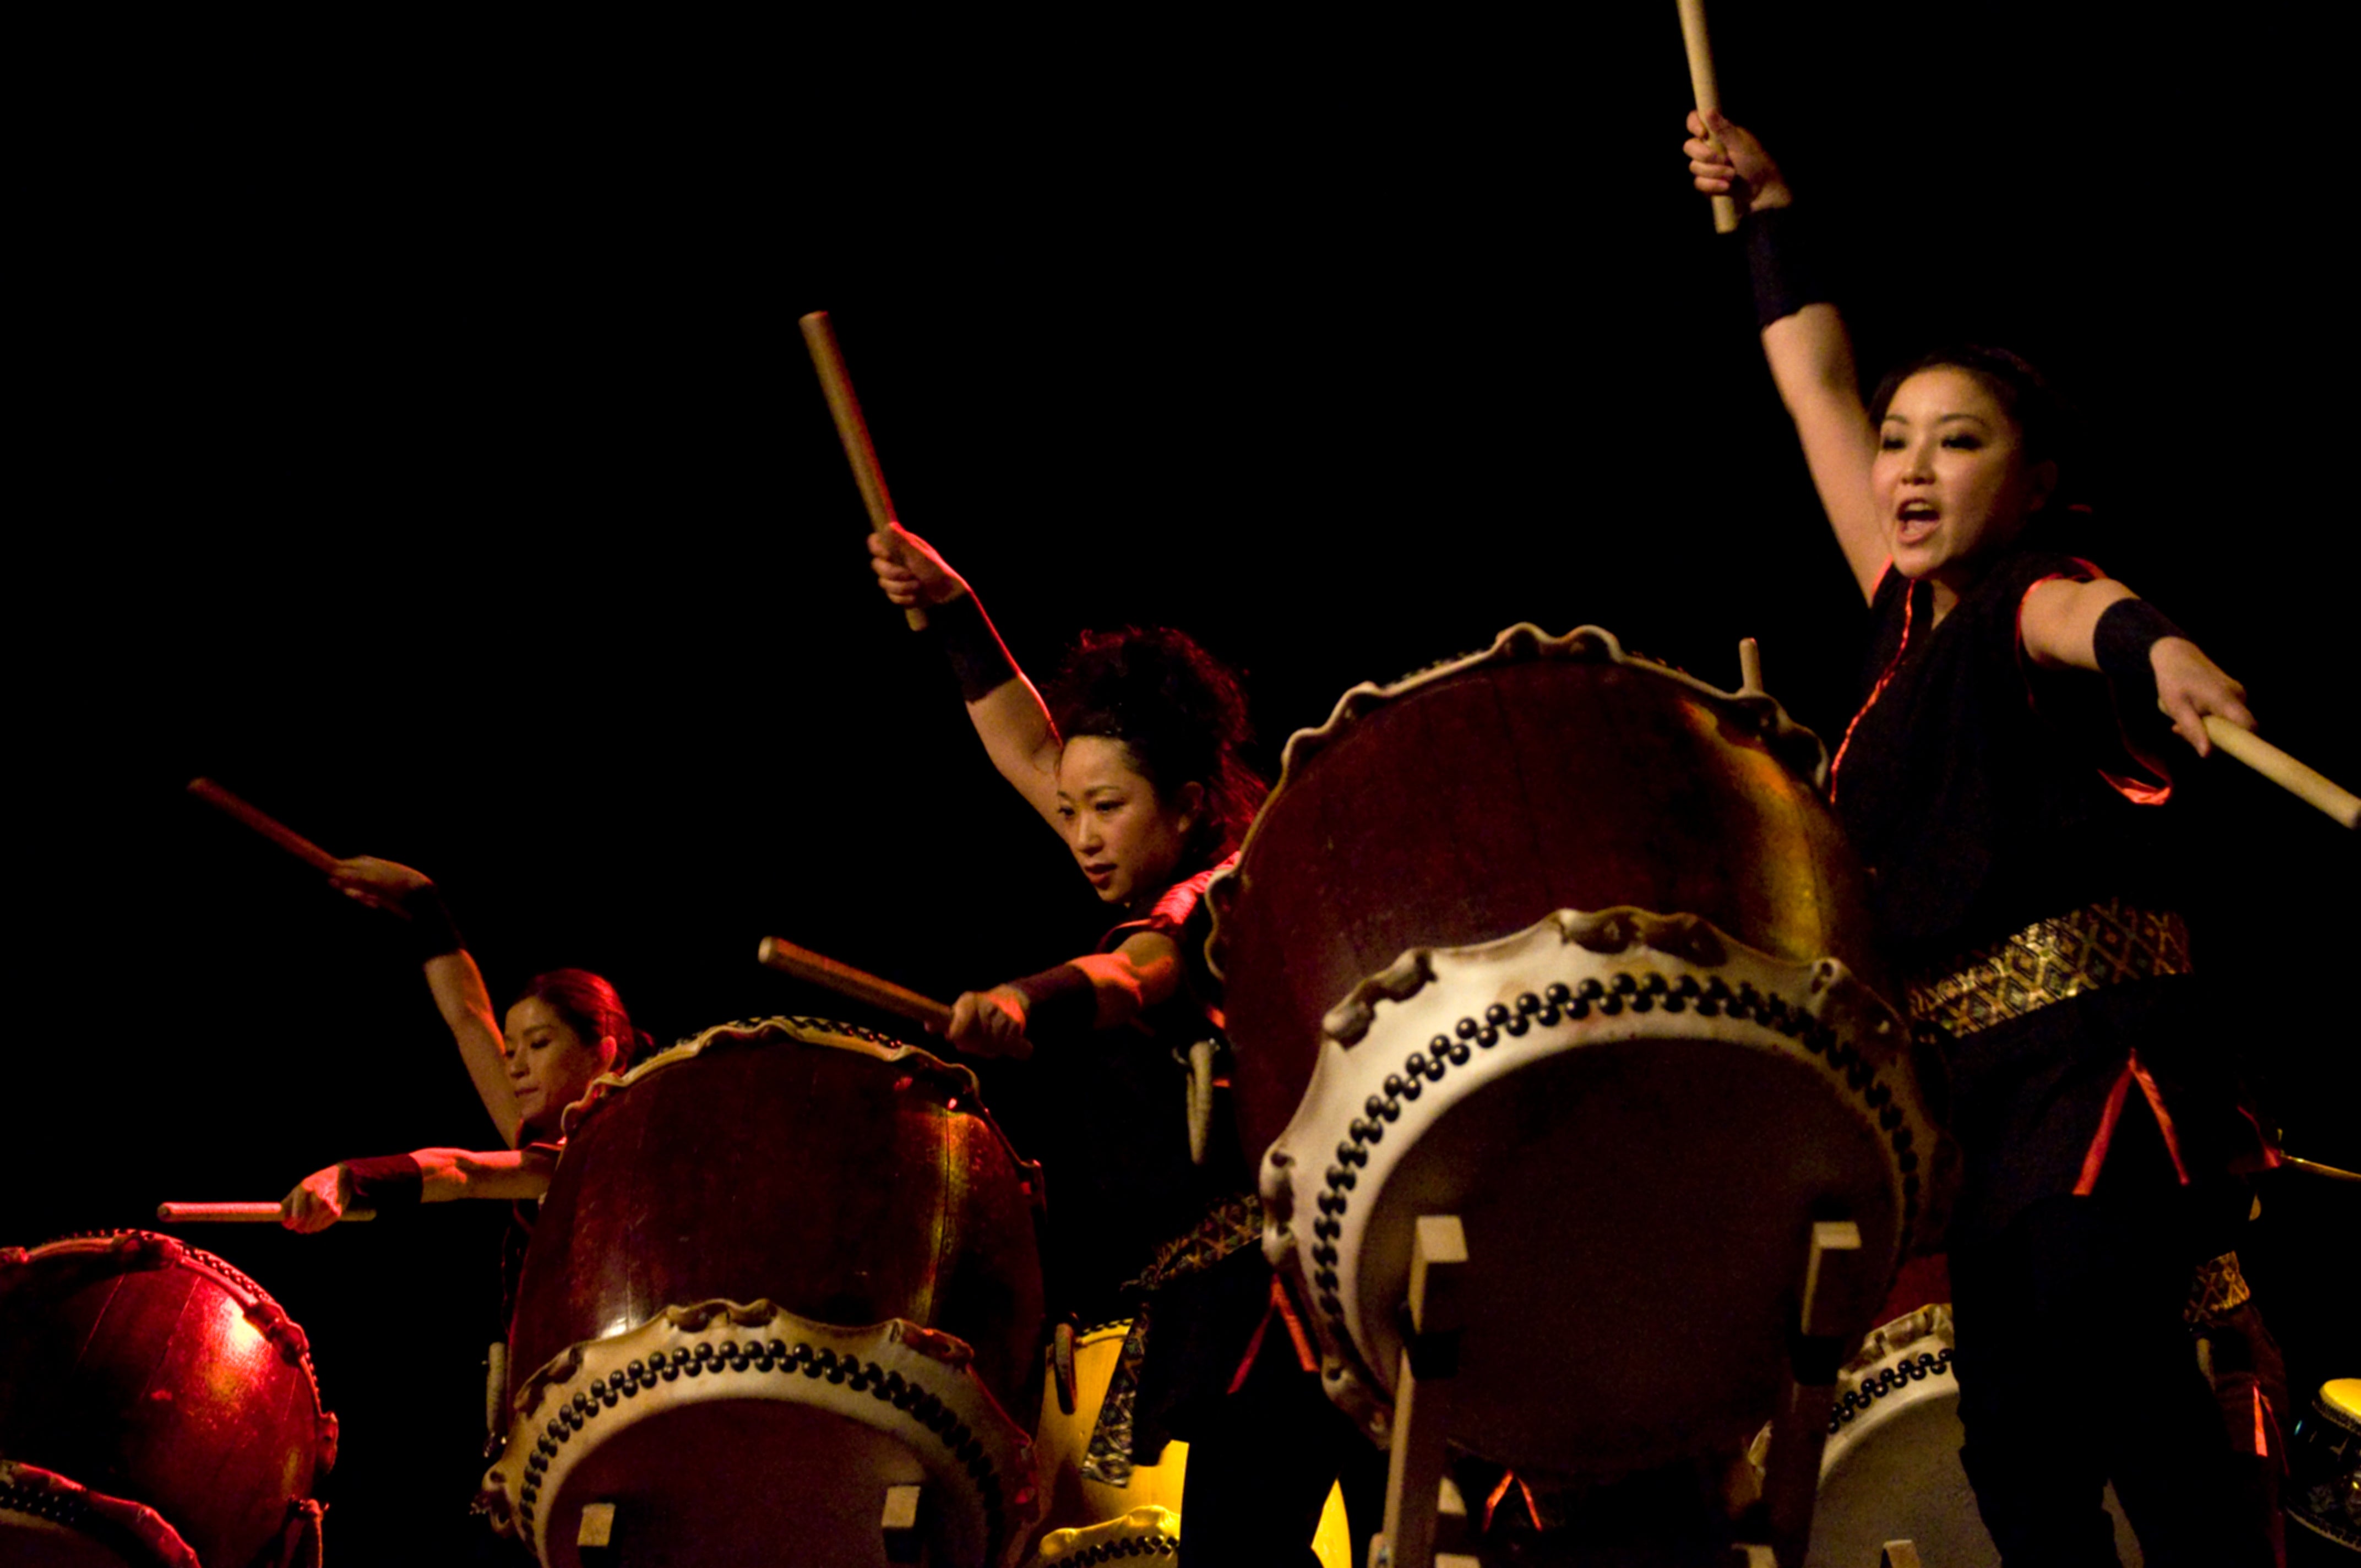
(1137, 1228)
(2009, 865)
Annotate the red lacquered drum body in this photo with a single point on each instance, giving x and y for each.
(778, 1249)
(1567, 944)
(156, 1407)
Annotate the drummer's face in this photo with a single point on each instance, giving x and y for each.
(550, 1064)
(1129, 841)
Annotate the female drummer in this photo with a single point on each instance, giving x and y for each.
(1152, 1213)
(1995, 795)
(565, 1028)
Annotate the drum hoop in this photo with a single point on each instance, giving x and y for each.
(957, 1415)
(147, 1250)
(955, 1080)
(124, 1525)
(962, 1093)
(1832, 1017)
(1143, 1531)
(1794, 746)
(1892, 1360)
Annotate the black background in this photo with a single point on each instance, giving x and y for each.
(435, 462)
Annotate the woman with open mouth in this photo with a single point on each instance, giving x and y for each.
(1995, 784)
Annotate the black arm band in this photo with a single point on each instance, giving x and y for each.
(386, 1181)
(978, 657)
(1058, 1001)
(1781, 264)
(430, 923)
(2125, 632)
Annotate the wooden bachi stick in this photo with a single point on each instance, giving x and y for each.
(854, 430)
(859, 984)
(1708, 96)
(237, 1213)
(278, 832)
(2285, 770)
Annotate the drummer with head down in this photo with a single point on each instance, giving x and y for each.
(564, 1029)
(1153, 1214)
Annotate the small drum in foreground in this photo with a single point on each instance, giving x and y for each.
(1566, 944)
(157, 1409)
(781, 1295)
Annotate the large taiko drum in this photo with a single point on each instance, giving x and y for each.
(782, 1295)
(158, 1409)
(1567, 944)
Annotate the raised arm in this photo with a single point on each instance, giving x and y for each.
(1102, 990)
(451, 974)
(1007, 712)
(1803, 336)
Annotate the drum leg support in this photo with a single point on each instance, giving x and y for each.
(1415, 1477)
(1836, 1278)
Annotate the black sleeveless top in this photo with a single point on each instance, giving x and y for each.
(1983, 794)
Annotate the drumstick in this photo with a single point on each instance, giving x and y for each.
(854, 430)
(1708, 97)
(237, 1213)
(859, 984)
(279, 833)
(2284, 771)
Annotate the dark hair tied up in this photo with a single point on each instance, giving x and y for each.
(1180, 714)
(592, 1009)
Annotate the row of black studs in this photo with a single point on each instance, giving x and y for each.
(1139, 1546)
(741, 1356)
(1638, 993)
(1924, 1365)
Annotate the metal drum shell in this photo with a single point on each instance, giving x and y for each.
(153, 1372)
(1632, 785)
(847, 1177)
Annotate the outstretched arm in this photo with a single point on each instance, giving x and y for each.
(2069, 625)
(422, 1176)
(1805, 341)
(451, 974)
(1007, 712)
(1102, 990)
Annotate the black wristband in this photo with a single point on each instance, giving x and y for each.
(1781, 264)
(978, 657)
(431, 930)
(1060, 1000)
(386, 1181)
(2126, 631)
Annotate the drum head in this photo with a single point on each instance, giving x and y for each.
(1635, 1238)
(737, 1483)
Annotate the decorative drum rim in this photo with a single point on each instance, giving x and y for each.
(955, 1084)
(1818, 1013)
(910, 1382)
(1894, 1368)
(145, 1250)
(1750, 708)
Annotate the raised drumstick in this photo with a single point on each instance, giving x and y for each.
(1708, 96)
(859, 984)
(278, 832)
(2285, 770)
(237, 1213)
(854, 430)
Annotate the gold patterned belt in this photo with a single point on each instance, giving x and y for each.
(2049, 961)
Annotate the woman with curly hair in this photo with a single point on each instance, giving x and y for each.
(1152, 1208)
